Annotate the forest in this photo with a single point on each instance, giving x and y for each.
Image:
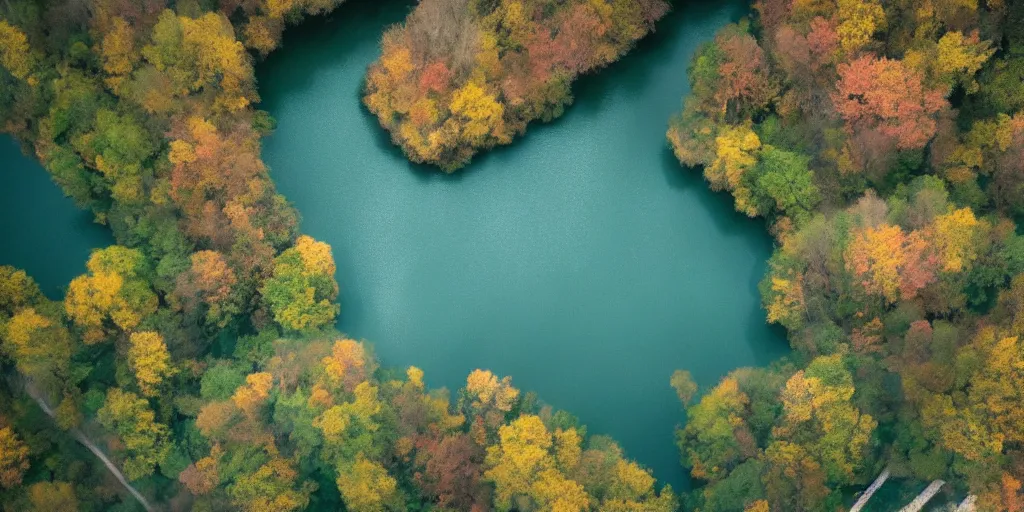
(881, 143)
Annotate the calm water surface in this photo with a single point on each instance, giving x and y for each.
(582, 260)
(41, 231)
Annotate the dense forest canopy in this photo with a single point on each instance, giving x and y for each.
(881, 141)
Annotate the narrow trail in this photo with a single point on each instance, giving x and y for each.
(81, 438)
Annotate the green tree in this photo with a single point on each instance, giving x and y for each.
(787, 181)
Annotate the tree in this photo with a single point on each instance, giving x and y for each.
(13, 458)
(202, 477)
(209, 281)
(272, 486)
(716, 437)
(887, 97)
(17, 290)
(787, 180)
(367, 487)
(736, 154)
(40, 346)
(221, 380)
(488, 392)
(858, 21)
(301, 291)
(820, 418)
(254, 393)
(145, 441)
(958, 238)
(120, 56)
(979, 424)
(452, 472)
(633, 489)
(553, 491)
(15, 54)
(958, 58)
(685, 388)
(782, 294)
(119, 147)
(519, 459)
(115, 291)
(202, 53)
(891, 263)
(47, 496)
(149, 359)
(793, 480)
(745, 86)
(348, 365)
(478, 112)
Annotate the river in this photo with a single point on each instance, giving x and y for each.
(42, 231)
(582, 260)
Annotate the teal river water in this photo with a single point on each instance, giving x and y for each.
(582, 260)
(41, 231)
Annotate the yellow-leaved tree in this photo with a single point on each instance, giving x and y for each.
(150, 360)
(523, 467)
(115, 294)
(15, 54)
(13, 458)
(366, 486)
(302, 290)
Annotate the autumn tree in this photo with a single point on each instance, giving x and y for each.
(452, 472)
(716, 437)
(13, 458)
(348, 365)
(954, 60)
(149, 359)
(17, 290)
(793, 479)
(274, 485)
(958, 237)
(46, 496)
(209, 283)
(254, 393)
(41, 348)
(978, 424)
(745, 85)
(201, 477)
(820, 417)
(114, 294)
(523, 469)
(890, 262)
(886, 97)
(736, 154)
(120, 56)
(487, 400)
(202, 54)
(15, 55)
(858, 21)
(302, 289)
(366, 486)
(146, 442)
